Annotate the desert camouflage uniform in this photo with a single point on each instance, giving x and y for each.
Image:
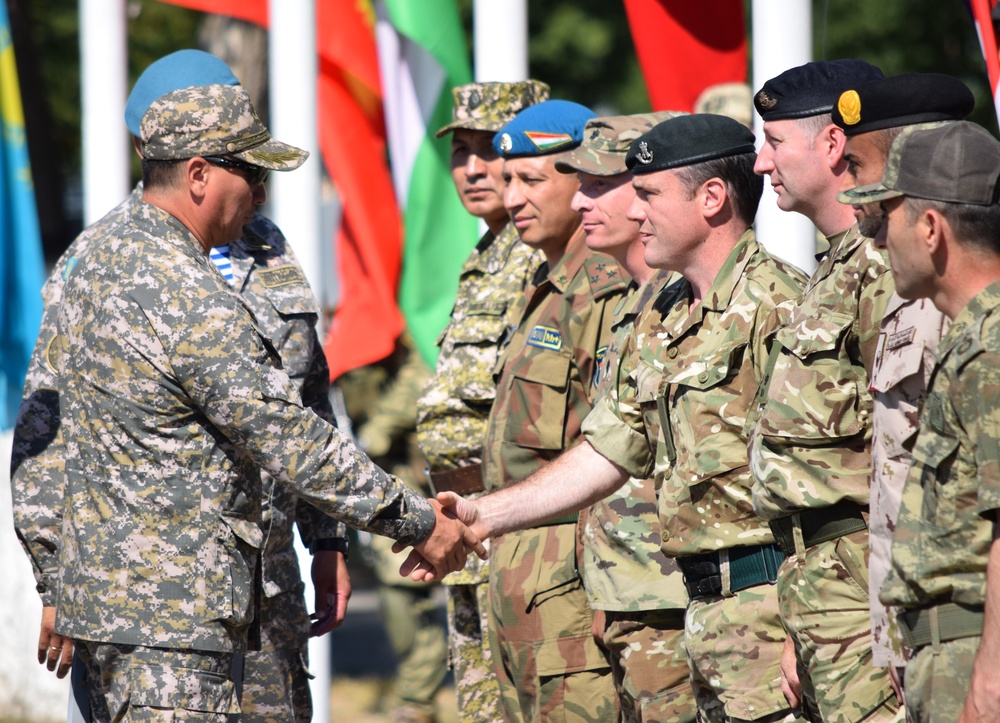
(624, 571)
(680, 413)
(911, 331)
(545, 656)
(946, 523)
(173, 399)
(810, 449)
(451, 424)
(276, 680)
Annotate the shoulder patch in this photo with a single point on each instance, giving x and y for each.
(599, 357)
(545, 337)
(605, 275)
(68, 268)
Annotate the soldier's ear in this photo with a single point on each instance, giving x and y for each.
(196, 176)
(712, 197)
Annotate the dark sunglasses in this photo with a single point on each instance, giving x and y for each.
(255, 174)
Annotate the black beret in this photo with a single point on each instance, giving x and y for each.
(811, 89)
(686, 140)
(902, 100)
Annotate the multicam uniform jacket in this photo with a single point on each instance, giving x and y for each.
(694, 383)
(947, 519)
(173, 400)
(810, 441)
(623, 567)
(549, 371)
(911, 332)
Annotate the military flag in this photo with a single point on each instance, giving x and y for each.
(706, 39)
(422, 55)
(22, 272)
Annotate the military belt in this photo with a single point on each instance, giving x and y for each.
(819, 525)
(939, 624)
(748, 567)
(461, 481)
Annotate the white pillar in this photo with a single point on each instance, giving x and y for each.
(500, 40)
(782, 39)
(295, 208)
(103, 90)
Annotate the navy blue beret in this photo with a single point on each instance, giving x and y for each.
(550, 127)
(686, 140)
(182, 69)
(902, 100)
(811, 89)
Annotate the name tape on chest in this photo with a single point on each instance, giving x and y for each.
(545, 337)
(281, 276)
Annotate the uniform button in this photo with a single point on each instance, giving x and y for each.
(41, 587)
(665, 536)
(703, 377)
(231, 147)
(672, 353)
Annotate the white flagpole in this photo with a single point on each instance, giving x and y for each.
(500, 40)
(782, 39)
(295, 204)
(103, 89)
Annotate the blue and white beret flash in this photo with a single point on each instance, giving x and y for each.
(550, 127)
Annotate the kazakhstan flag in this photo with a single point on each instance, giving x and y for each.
(22, 270)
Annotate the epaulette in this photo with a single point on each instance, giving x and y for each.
(970, 345)
(606, 277)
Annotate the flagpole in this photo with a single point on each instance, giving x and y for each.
(500, 40)
(782, 39)
(296, 209)
(103, 89)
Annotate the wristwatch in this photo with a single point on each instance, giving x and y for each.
(337, 544)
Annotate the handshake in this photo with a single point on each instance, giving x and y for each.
(459, 529)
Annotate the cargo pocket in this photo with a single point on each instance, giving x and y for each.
(183, 689)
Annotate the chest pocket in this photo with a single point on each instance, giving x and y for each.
(538, 410)
(476, 341)
(648, 381)
(901, 370)
(936, 455)
(814, 395)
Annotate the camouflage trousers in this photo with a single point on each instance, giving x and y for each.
(157, 684)
(548, 664)
(734, 646)
(823, 597)
(276, 678)
(937, 681)
(650, 667)
(476, 686)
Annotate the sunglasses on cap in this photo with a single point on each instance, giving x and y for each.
(255, 174)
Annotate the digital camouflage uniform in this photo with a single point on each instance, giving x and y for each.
(947, 519)
(540, 624)
(455, 405)
(172, 400)
(904, 358)
(810, 453)
(386, 416)
(276, 681)
(624, 571)
(680, 413)
(451, 424)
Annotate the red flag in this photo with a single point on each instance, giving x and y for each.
(982, 13)
(684, 47)
(352, 142)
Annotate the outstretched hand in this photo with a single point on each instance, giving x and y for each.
(465, 510)
(444, 550)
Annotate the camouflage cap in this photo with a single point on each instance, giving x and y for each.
(606, 141)
(729, 99)
(491, 106)
(213, 120)
(956, 162)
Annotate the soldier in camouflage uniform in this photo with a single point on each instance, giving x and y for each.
(548, 664)
(452, 411)
(171, 400)
(677, 404)
(810, 446)
(636, 590)
(939, 194)
(266, 274)
(872, 115)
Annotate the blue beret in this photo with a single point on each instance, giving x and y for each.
(687, 140)
(550, 127)
(811, 89)
(182, 69)
(902, 100)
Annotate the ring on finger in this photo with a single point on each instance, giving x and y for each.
(53, 647)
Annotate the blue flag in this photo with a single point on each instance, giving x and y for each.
(22, 269)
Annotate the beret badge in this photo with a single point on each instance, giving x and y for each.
(849, 106)
(506, 143)
(766, 102)
(644, 156)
